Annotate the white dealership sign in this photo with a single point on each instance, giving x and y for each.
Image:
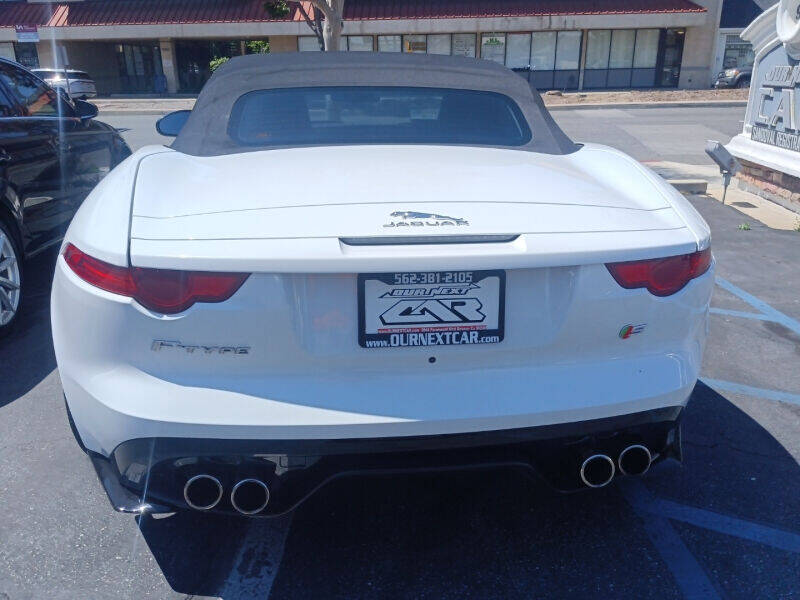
(771, 134)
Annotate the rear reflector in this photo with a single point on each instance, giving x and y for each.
(161, 290)
(661, 276)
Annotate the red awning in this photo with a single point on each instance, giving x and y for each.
(154, 12)
(453, 9)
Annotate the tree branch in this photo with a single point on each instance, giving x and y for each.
(315, 25)
(324, 8)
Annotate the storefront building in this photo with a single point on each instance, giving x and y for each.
(158, 46)
(612, 58)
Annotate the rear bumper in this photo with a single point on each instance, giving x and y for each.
(149, 474)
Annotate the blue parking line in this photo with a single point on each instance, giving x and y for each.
(760, 305)
(689, 575)
(747, 390)
(739, 313)
(777, 538)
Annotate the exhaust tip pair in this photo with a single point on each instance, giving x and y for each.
(598, 469)
(204, 492)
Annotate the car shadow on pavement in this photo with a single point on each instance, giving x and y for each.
(26, 354)
(500, 534)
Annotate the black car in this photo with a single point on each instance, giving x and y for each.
(52, 153)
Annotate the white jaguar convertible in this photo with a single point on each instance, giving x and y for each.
(356, 263)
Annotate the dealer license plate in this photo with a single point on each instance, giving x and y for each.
(437, 308)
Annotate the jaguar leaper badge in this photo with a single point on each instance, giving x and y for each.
(408, 218)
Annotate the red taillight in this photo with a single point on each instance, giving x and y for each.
(661, 276)
(162, 290)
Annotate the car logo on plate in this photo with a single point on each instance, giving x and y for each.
(446, 310)
(408, 218)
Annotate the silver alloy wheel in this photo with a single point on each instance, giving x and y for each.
(10, 280)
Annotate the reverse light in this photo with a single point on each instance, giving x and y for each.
(661, 276)
(162, 290)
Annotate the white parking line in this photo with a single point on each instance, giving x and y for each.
(258, 559)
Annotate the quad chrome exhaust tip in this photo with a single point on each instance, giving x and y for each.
(635, 460)
(202, 492)
(250, 496)
(597, 470)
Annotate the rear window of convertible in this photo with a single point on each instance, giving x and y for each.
(376, 115)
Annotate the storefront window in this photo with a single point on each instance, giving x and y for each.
(543, 50)
(389, 43)
(568, 50)
(518, 52)
(7, 51)
(439, 44)
(646, 53)
(140, 69)
(738, 53)
(308, 43)
(359, 43)
(568, 59)
(645, 57)
(464, 44)
(543, 59)
(194, 59)
(415, 44)
(493, 47)
(622, 43)
(598, 45)
(27, 55)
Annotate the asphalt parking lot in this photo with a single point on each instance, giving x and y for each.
(724, 524)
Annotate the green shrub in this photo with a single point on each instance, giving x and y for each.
(217, 62)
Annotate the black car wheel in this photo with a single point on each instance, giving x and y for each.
(10, 279)
(743, 83)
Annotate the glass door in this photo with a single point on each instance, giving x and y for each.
(669, 71)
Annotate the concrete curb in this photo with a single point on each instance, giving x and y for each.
(678, 104)
(689, 186)
(145, 111)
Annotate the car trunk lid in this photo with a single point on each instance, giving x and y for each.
(258, 207)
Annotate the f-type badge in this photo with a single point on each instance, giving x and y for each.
(407, 218)
(175, 345)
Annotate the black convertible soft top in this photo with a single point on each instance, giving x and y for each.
(206, 131)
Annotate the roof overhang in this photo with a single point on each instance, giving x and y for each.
(153, 19)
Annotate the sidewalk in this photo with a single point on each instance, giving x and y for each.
(643, 98)
(751, 206)
(142, 106)
(554, 101)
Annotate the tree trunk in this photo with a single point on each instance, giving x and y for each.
(332, 32)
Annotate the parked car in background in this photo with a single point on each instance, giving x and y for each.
(78, 84)
(52, 153)
(736, 77)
